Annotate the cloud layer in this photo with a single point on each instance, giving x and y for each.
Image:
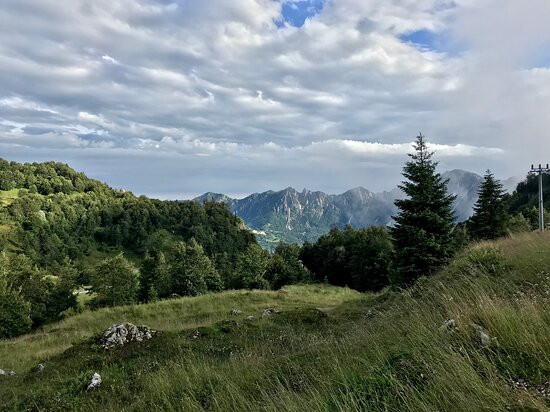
(174, 98)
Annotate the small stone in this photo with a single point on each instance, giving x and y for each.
(372, 313)
(195, 335)
(249, 318)
(269, 312)
(40, 368)
(235, 312)
(96, 381)
(12, 373)
(483, 334)
(2, 372)
(448, 325)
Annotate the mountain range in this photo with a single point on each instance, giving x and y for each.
(292, 216)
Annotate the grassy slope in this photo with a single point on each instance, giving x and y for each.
(304, 359)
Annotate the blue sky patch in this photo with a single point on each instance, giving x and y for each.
(433, 41)
(295, 13)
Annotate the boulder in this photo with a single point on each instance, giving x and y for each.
(39, 368)
(195, 335)
(95, 382)
(6, 373)
(249, 318)
(235, 312)
(269, 312)
(122, 333)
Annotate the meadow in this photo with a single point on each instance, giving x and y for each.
(329, 348)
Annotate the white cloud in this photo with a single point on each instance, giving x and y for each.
(221, 81)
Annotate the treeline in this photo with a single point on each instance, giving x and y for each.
(423, 236)
(56, 218)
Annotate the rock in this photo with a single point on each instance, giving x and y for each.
(448, 325)
(269, 312)
(249, 318)
(39, 368)
(6, 373)
(96, 381)
(12, 373)
(122, 333)
(235, 312)
(483, 334)
(372, 313)
(195, 335)
(174, 296)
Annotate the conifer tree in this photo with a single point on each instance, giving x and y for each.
(423, 230)
(490, 216)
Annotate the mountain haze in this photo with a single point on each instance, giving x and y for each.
(292, 216)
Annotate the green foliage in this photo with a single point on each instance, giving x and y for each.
(155, 276)
(423, 228)
(48, 293)
(115, 281)
(526, 196)
(71, 215)
(252, 269)
(490, 217)
(518, 224)
(358, 258)
(14, 314)
(285, 267)
(192, 272)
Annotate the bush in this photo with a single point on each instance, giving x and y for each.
(191, 271)
(115, 281)
(15, 317)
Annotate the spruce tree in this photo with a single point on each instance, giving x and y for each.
(490, 216)
(423, 230)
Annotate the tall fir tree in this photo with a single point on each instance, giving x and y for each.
(423, 230)
(490, 216)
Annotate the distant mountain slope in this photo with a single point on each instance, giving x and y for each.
(294, 216)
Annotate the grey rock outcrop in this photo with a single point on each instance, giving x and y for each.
(95, 382)
(122, 333)
(269, 312)
(449, 325)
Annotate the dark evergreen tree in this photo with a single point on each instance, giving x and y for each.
(423, 230)
(490, 217)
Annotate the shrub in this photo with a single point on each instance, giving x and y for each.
(115, 281)
(15, 312)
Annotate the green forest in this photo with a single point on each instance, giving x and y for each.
(70, 243)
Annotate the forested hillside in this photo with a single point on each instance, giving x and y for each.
(52, 212)
(61, 231)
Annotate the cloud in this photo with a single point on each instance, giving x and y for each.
(242, 97)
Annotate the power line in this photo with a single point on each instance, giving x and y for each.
(540, 171)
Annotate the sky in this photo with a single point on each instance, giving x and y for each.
(174, 98)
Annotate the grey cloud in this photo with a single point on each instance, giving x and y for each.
(119, 78)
